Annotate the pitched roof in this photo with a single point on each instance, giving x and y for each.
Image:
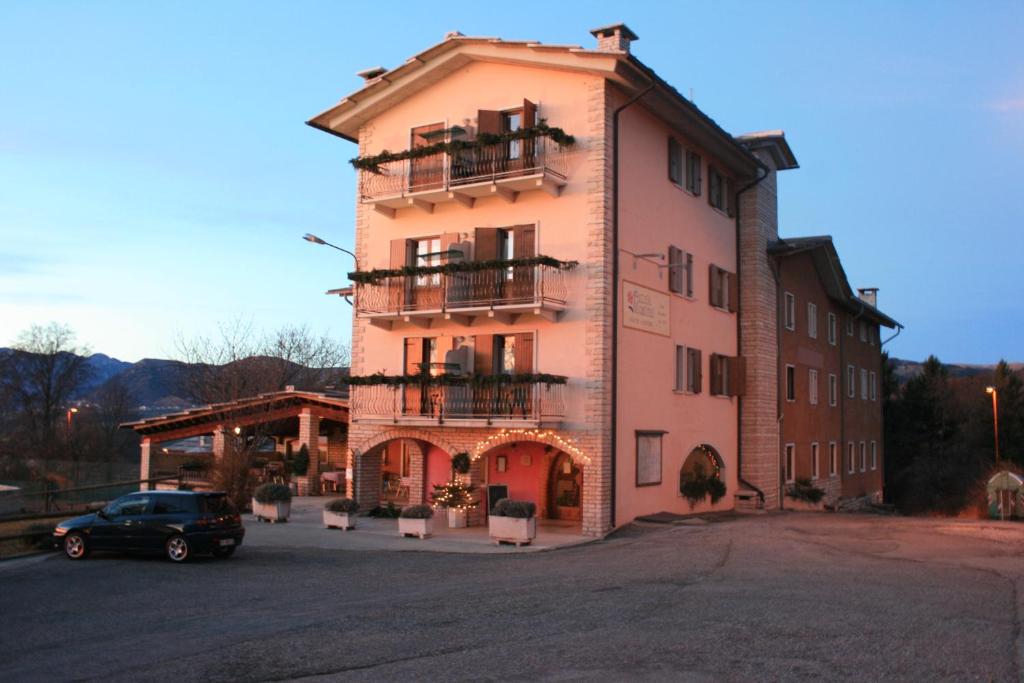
(830, 271)
(386, 89)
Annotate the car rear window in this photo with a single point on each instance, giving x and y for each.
(218, 505)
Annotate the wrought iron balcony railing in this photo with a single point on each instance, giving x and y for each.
(532, 402)
(488, 164)
(522, 286)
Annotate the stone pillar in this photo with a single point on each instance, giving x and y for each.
(759, 424)
(219, 444)
(309, 436)
(337, 453)
(366, 479)
(475, 477)
(146, 452)
(417, 470)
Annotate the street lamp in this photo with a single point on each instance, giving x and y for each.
(995, 416)
(310, 237)
(67, 429)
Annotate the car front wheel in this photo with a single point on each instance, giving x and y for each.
(178, 549)
(75, 547)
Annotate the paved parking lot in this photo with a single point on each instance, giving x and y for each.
(782, 596)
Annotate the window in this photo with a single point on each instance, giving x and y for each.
(874, 455)
(850, 465)
(693, 172)
(863, 384)
(812, 320)
(833, 459)
(872, 333)
(812, 386)
(790, 383)
(675, 161)
(863, 331)
(719, 297)
(512, 121)
(718, 190)
(693, 371)
(832, 328)
(849, 327)
(680, 384)
(790, 312)
(428, 253)
(873, 385)
(719, 375)
(169, 505)
(790, 463)
(863, 457)
(128, 505)
(648, 458)
(505, 354)
(680, 275)
(814, 460)
(321, 455)
(833, 390)
(851, 382)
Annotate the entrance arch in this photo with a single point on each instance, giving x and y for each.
(411, 460)
(565, 489)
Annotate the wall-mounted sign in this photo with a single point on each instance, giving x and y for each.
(645, 309)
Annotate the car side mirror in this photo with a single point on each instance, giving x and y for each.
(102, 513)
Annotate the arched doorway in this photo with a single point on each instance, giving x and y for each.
(700, 477)
(565, 488)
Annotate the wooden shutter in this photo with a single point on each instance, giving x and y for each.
(449, 240)
(488, 122)
(700, 371)
(413, 355)
(483, 354)
(524, 353)
(728, 198)
(529, 114)
(712, 289)
(737, 375)
(400, 252)
(689, 274)
(675, 269)
(486, 247)
(525, 238)
(733, 285)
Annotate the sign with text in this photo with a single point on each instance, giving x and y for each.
(645, 309)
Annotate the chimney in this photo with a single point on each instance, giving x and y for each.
(290, 387)
(869, 295)
(614, 38)
(371, 73)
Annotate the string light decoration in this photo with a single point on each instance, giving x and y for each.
(455, 495)
(563, 444)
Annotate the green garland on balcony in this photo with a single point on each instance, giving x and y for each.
(453, 147)
(451, 380)
(371, 277)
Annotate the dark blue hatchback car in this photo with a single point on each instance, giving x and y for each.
(179, 524)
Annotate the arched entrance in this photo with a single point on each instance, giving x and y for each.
(565, 488)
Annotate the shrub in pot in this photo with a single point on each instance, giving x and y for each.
(513, 521)
(416, 520)
(272, 502)
(804, 490)
(460, 463)
(340, 513)
(457, 498)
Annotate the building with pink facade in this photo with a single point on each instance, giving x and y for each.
(564, 272)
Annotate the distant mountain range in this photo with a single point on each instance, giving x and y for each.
(907, 369)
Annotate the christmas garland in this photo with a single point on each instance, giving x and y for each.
(452, 380)
(453, 147)
(371, 277)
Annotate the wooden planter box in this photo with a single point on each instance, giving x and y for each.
(339, 520)
(456, 519)
(421, 528)
(512, 529)
(272, 512)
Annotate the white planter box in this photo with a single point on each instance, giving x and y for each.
(423, 528)
(272, 512)
(456, 519)
(339, 520)
(512, 529)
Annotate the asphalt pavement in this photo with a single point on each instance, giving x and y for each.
(775, 597)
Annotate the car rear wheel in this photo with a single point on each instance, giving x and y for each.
(75, 547)
(224, 553)
(178, 549)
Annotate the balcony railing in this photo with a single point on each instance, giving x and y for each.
(525, 287)
(533, 402)
(516, 166)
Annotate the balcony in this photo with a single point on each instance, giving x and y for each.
(532, 404)
(501, 293)
(502, 170)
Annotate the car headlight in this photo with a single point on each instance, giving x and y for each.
(59, 531)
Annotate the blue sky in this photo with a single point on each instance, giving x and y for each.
(156, 174)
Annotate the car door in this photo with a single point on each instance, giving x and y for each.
(168, 515)
(126, 520)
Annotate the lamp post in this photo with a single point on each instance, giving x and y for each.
(67, 426)
(995, 416)
(310, 237)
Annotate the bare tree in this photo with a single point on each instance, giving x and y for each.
(242, 361)
(46, 368)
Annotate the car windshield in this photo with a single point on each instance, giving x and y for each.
(219, 505)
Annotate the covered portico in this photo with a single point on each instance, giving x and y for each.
(278, 423)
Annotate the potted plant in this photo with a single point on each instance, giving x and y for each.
(513, 521)
(272, 502)
(416, 520)
(457, 498)
(340, 513)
